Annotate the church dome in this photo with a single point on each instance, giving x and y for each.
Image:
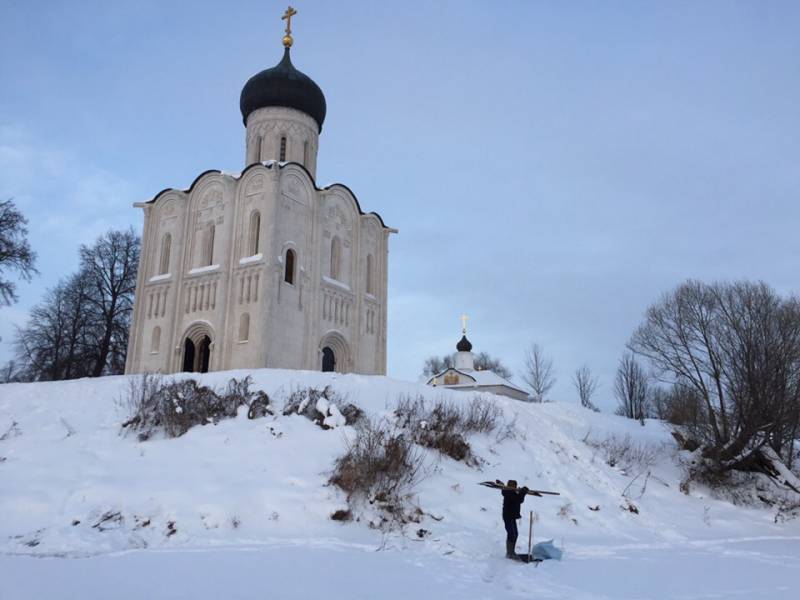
(283, 85)
(464, 344)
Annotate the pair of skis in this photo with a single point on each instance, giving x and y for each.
(499, 485)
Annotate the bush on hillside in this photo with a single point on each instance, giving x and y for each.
(324, 407)
(446, 426)
(173, 407)
(381, 467)
(624, 453)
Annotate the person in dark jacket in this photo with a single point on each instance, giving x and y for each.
(512, 500)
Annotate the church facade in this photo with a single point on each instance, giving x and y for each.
(263, 268)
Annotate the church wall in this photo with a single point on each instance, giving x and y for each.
(265, 128)
(291, 224)
(286, 323)
(248, 294)
(371, 295)
(340, 296)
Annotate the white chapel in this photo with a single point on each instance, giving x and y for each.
(263, 268)
(464, 377)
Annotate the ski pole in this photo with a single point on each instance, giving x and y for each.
(530, 536)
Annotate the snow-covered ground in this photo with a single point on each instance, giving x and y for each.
(242, 509)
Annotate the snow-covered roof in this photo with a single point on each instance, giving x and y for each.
(480, 378)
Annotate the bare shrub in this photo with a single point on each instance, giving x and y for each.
(378, 466)
(174, 407)
(481, 416)
(324, 407)
(446, 426)
(342, 514)
(586, 385)
(624, 453)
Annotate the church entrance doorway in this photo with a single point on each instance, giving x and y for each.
(205, 355)
(328, 359)
(197, 347)
(188, 355)
(196, 357)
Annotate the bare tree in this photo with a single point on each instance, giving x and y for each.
(586, 385)
(631, 389)
(8, 372)
(735, 349)
(53, 344)
(80, 329)
(110, 267)
(15, 252)
(678, 404)
(483, 362)
(437, 364)
(538, 372)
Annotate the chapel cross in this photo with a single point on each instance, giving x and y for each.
(287, 16)
(464, 324)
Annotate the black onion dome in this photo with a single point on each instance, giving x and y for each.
(464, 344)
(283, 85)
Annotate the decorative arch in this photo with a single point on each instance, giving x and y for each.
(370, 275)
(166, 244)
(244, 327)
(343, 193)
(208, 246)
(197, 347)
(335, 269)
(255, 233)
(155, 340)
(336, 344)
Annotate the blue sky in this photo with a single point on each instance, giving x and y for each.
(552, 166)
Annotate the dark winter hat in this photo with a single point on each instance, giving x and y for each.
(512, 483)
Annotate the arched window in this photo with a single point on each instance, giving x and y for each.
(155, 341)
(288, 273)
(255, 232)
(336, 257)
(244, 327)
(208, 250)
(258, 148)
(370, 275)
(283, 149)
(166, 243)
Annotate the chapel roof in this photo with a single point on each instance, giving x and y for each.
(479, 379)
(464, 345)
(283, 85)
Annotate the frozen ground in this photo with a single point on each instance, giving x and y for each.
(241, 509)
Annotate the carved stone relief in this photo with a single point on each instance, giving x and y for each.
(254, 186)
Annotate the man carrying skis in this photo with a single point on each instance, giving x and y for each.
(512, 500)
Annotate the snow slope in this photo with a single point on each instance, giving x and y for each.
(242, 509)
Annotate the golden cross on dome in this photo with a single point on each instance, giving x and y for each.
(287, 16)
(464, 324)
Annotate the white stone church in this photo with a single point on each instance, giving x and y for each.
(263, 269)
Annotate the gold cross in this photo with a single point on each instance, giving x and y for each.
(464, 324)
(287, 16)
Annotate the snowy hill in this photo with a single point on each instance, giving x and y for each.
(242, 509)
